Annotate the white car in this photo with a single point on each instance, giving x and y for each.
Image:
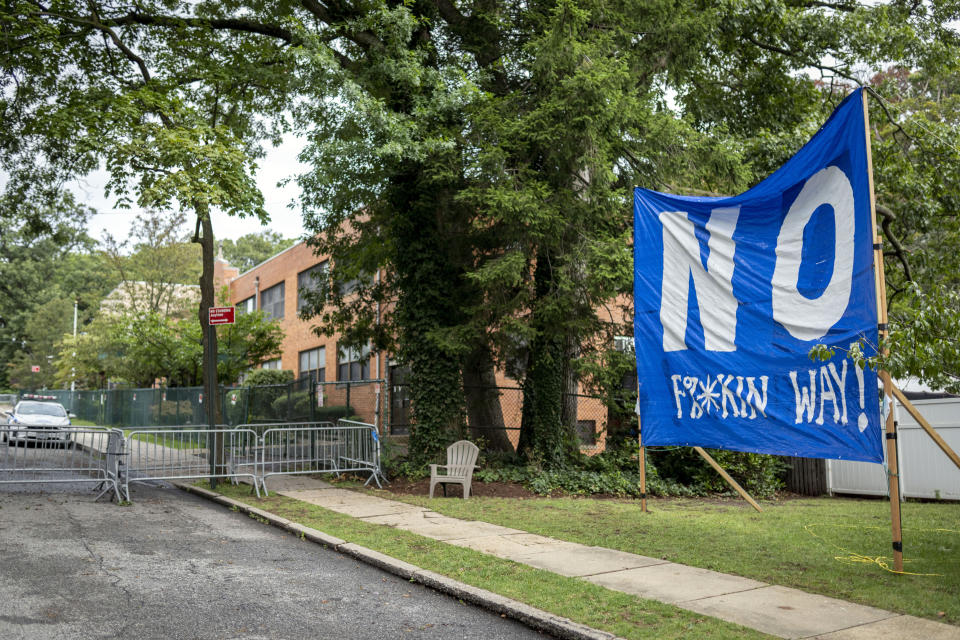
(37, 421)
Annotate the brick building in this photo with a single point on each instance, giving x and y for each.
(273, 287)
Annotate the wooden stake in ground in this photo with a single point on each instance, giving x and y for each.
(891, 425)
(643, 469)
(936, 437)
(726, 476)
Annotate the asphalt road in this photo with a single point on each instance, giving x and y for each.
(173, 566)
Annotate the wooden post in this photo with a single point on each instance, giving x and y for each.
(726, 476)
(936, 437)
(891, 426)
(643, 469)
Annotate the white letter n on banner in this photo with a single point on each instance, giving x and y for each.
(681, 260)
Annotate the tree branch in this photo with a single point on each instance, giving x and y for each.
(847, 7)
(449, 12)
(799, 55)
(888, 218)
(886, 112)
(366, 39)
(244, 25)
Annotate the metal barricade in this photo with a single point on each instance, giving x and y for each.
(41, 454)
(64, 454)
(323, 447)
(185, 454)
(367, 448)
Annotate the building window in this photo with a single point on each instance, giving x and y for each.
(313, 364)
(623, 344)
(248, 305)
(348, 287)
(353, 364)
(271, 301)
(271, 364)
(587, 432)
(310, 281)
(364, 277)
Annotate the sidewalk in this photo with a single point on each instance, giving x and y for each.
(779, 611)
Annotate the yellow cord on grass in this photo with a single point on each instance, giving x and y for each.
(853, 557)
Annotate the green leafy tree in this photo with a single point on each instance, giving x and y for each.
(153, 263)
(251, 249)
(484, 157)
(174, 109)
(46, 324)
(45, 264)
(917, 166)
(82, 277)
(139, 349)
(479, 152)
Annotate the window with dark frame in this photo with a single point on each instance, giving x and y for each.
(248, 305)
(313, 364)
(310, 280)
(348, 287)
(271, 364)
(353, 364)
(271, 301)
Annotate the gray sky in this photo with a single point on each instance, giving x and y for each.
(279, 163)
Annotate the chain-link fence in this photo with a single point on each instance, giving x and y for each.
(135, 407)
(302, 400)
(306, 400)
(591, 412)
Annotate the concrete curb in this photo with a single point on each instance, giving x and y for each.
(531, 616)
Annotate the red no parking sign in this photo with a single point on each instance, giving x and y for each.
(220, 315)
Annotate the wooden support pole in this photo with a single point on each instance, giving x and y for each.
(890, 430)
(726, 476)
(643, 469)
(936, 437)
(893, 472)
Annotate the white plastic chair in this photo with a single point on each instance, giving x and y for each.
(461, 461)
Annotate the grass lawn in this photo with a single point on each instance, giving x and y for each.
(171, 441)
(803, 543)
(619, 613)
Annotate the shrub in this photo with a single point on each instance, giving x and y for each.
(266, 377)
(761, 475)
(670, 472)
(262, 402)
(187, 411)
(295, 406)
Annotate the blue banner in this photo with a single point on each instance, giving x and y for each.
(731, 294)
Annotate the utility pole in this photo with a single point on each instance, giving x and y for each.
(73, 370)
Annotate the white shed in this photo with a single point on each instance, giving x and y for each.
(925, 471)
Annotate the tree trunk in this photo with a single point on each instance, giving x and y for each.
(204, 237)
(207, 300)
(568, 411)
(544, 437)
(484, 412)
(428, 279)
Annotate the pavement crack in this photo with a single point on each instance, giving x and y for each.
(116, 580)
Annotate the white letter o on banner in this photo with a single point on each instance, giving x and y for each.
(804, 318)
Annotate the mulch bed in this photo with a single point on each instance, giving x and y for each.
(403, 486)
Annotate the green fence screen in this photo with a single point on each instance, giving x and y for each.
(298, 401)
